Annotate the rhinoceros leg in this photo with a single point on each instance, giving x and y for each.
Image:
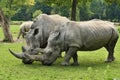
(110, 48)
(75, 59)
(70, 53)
(19, 34)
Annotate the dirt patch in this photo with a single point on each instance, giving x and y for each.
(15, 40)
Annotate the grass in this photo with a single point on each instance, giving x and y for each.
(92, 66)
(14, 30)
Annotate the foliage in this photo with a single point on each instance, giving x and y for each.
(23, 14)
(92, 66)
(42, 6)
(112, 1)
(36, 13)
(98, 7)
(26, 12)
(61, 10)
(10, 7)
(84, 12)
(112, 12)
(86, 9)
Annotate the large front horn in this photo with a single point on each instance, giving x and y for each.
(20, 55)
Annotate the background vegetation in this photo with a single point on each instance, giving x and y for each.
(85, 10)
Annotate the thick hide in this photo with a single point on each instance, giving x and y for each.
(81, 36)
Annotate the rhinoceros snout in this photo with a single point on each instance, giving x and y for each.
(27, 61)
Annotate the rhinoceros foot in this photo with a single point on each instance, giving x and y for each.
(65, 64)
(110, 60)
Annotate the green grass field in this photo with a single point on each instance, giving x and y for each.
(92, 66)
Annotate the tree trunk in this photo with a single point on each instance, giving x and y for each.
(5, 26)
(73, 12)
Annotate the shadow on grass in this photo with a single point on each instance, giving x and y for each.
(57, 65)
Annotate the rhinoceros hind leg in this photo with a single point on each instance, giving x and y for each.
(75, 59)
(110, 48)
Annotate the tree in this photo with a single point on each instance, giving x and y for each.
(72, 4)
(5, 27)
(7, 9)
(73, 12)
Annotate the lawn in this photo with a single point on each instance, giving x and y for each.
(92, 66)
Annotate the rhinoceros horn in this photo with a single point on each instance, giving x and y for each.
(24, 48)
(20, 55)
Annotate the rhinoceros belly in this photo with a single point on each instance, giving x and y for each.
(95, 41)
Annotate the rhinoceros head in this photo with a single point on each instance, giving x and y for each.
(53, 49)
(51, 52)
(32, 38)
(22, 56)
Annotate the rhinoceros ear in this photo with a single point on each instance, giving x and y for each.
(23, 49)
(56, 34)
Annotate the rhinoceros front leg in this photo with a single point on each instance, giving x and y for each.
(72, 52)
(19, 34)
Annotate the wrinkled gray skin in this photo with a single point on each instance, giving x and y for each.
(38, 35)
(78, 36)
(41, 28)
(24, 28)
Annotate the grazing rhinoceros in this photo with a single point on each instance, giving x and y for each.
(78, 36)
(24, 27)
(38, 35)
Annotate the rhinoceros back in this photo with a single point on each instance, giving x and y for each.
(90, 35)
